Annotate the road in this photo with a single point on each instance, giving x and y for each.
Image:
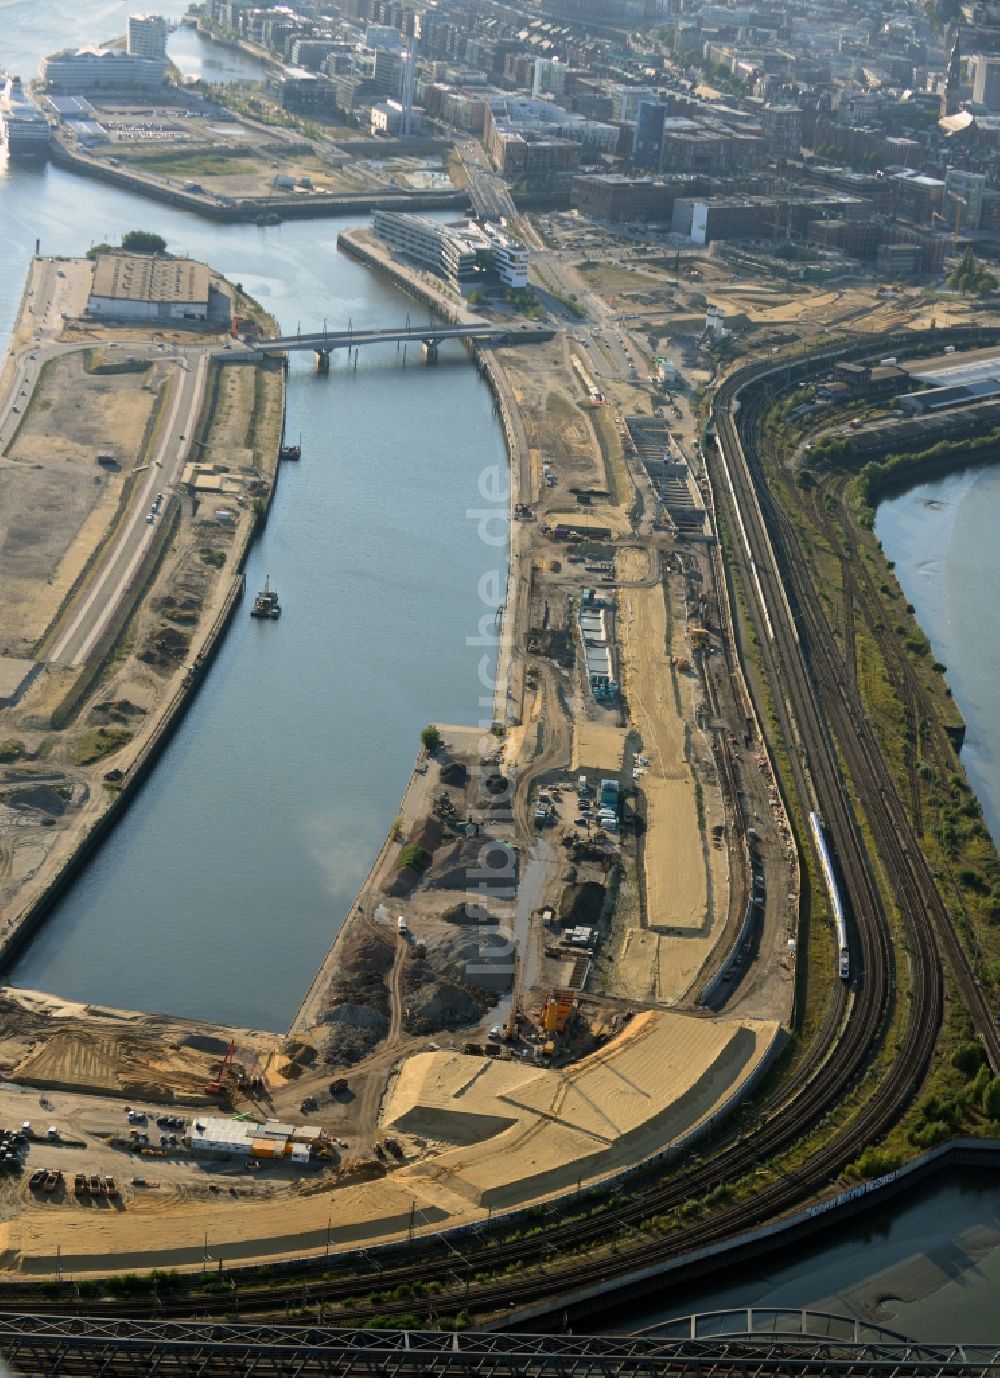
(52, 292)
(89, 617)
(488, 191)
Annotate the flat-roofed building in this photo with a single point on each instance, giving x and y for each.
(145, 287)
(147, 35)
(80, 70)
(443, 249)
(509, 255)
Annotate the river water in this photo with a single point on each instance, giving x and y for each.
(942, 536)
(927, 1265)
(222, 888)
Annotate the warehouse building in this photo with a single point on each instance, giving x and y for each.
(148, 288)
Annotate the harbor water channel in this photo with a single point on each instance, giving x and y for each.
(222, 888)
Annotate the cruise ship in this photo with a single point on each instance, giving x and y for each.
(23, 127)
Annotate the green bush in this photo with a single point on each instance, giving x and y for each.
(417, 857)
(968, 1057)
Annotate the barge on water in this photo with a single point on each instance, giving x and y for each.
(266, 603)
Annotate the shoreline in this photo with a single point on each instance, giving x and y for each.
(422, 291)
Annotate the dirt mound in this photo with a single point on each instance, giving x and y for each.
(364, 952)
(40, 797)
(165, 648)
(454, 773)
(481, 863)
(496, 784)
(427, 833)
(481, 957)
(354, 1027)
(183, 611)
(401, 882)
(115, 710)
(581, 904)
(467, 913)
(353, 1016)
(444, 1005)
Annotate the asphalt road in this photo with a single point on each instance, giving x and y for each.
(88, 617)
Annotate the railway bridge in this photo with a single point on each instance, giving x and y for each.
(79, 1345)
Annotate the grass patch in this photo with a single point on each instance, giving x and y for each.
(193, 164)
(97, 743)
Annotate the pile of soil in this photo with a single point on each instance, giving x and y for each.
(184, 611)
(582, 904)
(496, 784)
(467, 913)
(401, 882)
(440, 1004)
(40, 797)
(477, 863)
(427, 833)
(165, 648)
(115, 710)
(356, 1017)
(481, 957)
(365, 952)
(454, 773)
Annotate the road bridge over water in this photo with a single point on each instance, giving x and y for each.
(429, 336)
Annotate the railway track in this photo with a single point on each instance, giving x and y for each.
(822, 721)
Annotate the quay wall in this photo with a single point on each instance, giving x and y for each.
(311, 208)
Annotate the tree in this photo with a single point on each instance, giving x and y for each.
(968, 1057)
(991, 1099)
(144, 242)
(431, 739)
(96, 249)
(414, 856)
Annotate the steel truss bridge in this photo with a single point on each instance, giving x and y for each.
(79, 1345)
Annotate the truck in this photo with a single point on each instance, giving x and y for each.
(401, 925)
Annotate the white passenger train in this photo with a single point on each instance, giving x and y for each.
(833, 890)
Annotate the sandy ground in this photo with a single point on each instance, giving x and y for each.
(514, 1131)
(652, 1085)
(57, 503)
(682, 918)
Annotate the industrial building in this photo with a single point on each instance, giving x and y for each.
(145, 287)
(254, 1139)
(610, 196)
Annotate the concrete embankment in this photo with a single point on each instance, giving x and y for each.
(158, 731)
(252, 209)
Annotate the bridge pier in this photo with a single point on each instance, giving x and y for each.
(429, 349)
(322, 361)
